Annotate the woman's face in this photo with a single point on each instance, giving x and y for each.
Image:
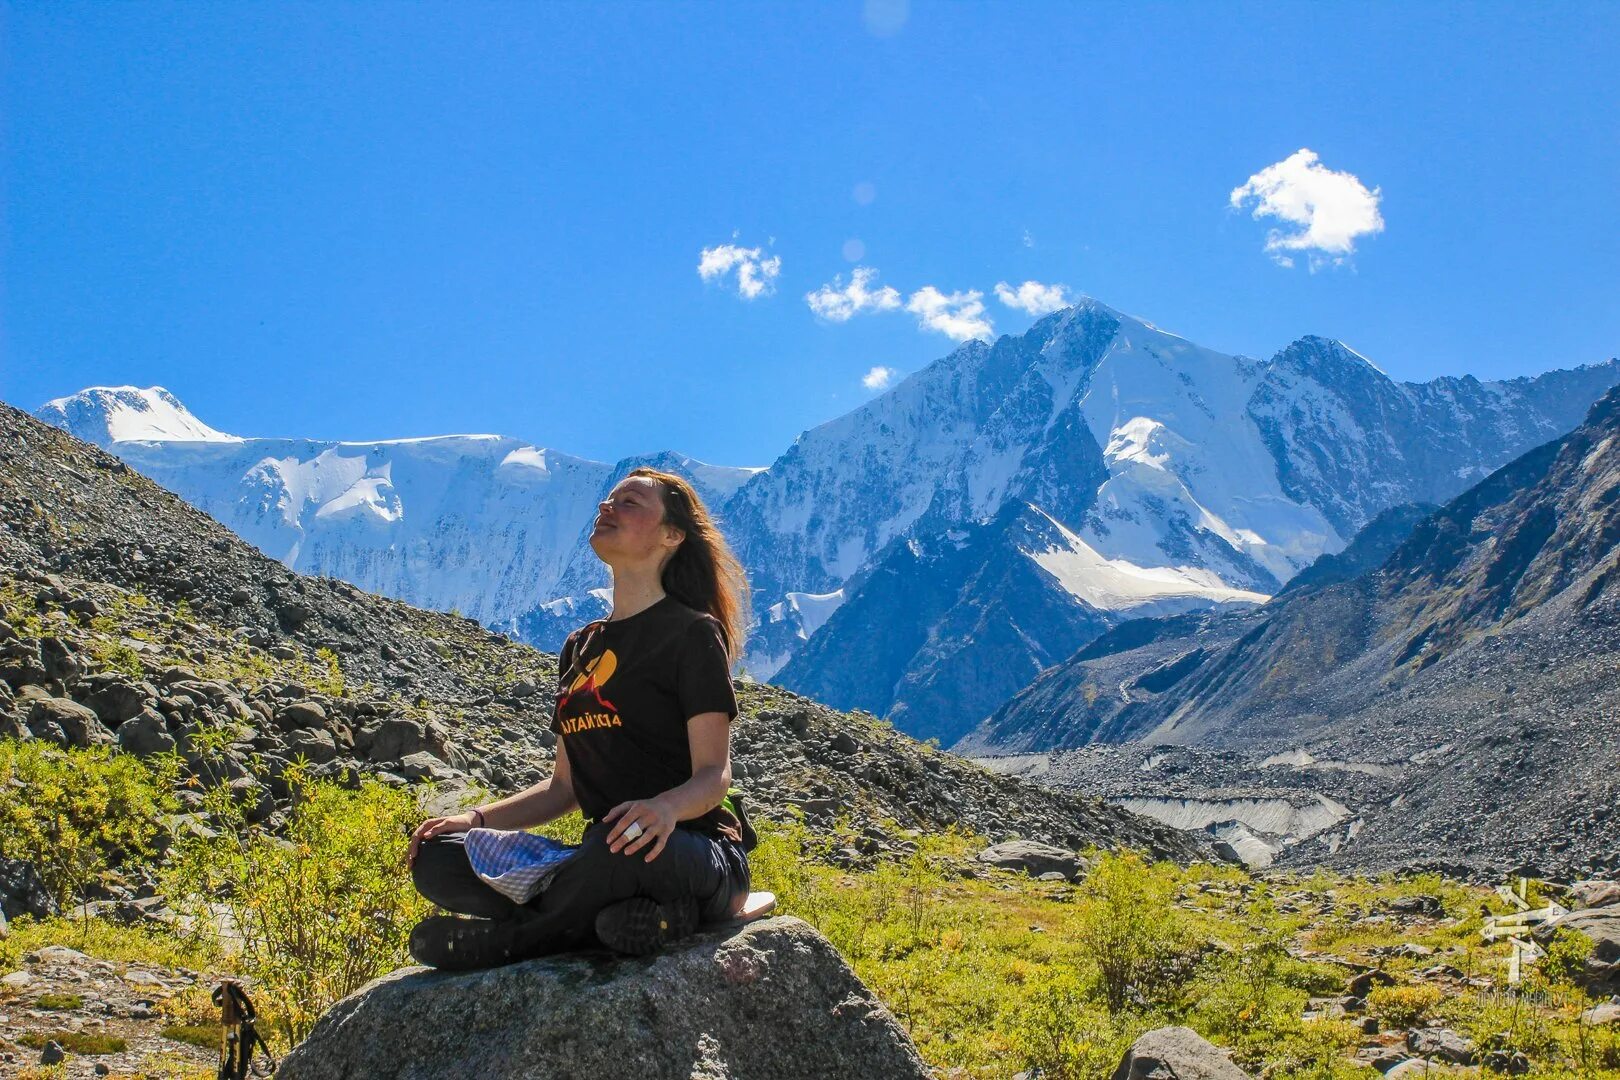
(630, 523)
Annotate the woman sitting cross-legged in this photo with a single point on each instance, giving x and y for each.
(643, 751)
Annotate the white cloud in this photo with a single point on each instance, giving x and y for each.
(958, 315)
(1330, 209)
(878, 378)
(1033, 297)
(1029, 240)
(840, 303)
(756, 274)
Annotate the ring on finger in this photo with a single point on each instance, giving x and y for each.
(633, 831)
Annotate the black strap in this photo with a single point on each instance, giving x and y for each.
(241, 1043)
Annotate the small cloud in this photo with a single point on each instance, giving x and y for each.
(1029, 241)
(854, 249)
(840, 303)
(1033, 297)
(878, 378)
(1330, 209)
(756, 274)
(864, 193)
(958, 315)
(885, 18)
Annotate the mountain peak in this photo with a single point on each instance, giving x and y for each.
(1321, 353)
(104, 415)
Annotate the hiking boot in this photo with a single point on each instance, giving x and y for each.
(452, 944)
(640, 925)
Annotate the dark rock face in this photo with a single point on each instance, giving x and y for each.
(768, 1001)
(22, 892)
(945, 630)
(1177, 1053)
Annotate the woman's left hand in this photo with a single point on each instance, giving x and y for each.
(656, 819)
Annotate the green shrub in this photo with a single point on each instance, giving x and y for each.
(1060, 1031)
(76, 813)
(1130, 929)
(1566, 957)
(1403, 1006)
(320, 911)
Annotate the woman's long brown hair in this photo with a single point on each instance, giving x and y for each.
(703, 573)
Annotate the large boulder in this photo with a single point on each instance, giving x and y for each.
(1595, 893)
(1176, 1053)
(66, 723)
(1602, 925)
(771, 1000)
(1033, 858)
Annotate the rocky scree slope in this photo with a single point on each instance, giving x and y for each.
(136, 620)
(1477, 670)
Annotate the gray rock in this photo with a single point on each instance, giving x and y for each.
(1176, 1053)
(78, 725)
(424, 766)
(771, 1000)
(1440, 1043)
(1033, 858)
(52, 1054)
(301, 714)
(116, 699)
(395, 739)
(316, 745)
(1591, 894)
(1607, 1013)
(22, 892)
(144, 734)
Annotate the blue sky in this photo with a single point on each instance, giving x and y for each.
(367, 221)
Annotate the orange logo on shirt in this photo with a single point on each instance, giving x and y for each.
(598, 670)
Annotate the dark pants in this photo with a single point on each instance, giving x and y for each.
(563, 915)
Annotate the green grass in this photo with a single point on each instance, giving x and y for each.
(206, 1036)
(103, 940)
(75, 1042)
(59, 1002)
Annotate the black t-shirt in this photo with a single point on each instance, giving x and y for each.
(624, 701)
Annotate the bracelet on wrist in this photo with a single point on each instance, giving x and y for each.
(480, 814)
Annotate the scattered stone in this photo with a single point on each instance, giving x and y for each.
(53, 1054)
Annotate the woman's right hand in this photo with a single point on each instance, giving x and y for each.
(456, 823)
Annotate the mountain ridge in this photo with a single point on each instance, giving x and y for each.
(1164, 459)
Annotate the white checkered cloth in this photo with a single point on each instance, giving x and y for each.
(516, 864)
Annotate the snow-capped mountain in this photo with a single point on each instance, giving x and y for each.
(1092, 469)
(482, 524)
(104, 415)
